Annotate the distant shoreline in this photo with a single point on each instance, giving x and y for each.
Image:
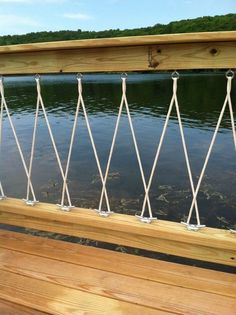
(202, 24)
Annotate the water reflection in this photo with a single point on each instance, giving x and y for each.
(200, 98)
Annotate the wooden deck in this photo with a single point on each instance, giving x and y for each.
(38, 276)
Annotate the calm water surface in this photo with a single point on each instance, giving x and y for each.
(200, 98)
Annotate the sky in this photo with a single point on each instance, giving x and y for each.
(24, 16)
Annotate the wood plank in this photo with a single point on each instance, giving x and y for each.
(125, 288)
(56, 299)
(124, 41)
(193, 56)
(119, 263)
(213, 245)
(132, 54)
(8, 308)
(76, 60)
(104, 283)
(36, 273)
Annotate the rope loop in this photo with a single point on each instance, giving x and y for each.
(175, 75)
(123, 78)
(38, 85)
(229, 74)
(2, 92)
(229, 77)
(37, 77)
(79, 76)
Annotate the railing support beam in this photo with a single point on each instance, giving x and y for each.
(213, 245)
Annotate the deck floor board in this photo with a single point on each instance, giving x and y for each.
(57, 277)
(8, 308)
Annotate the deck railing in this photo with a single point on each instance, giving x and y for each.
(146, 53)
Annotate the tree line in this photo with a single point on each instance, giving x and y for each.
(202, 24)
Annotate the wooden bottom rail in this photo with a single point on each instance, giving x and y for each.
(208, 244)
(57, 277)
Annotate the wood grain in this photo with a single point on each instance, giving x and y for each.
(213, 245)
(151, 53)
(56, 299)
(8, 308)
(124, 41)
(130, 265)
(51, 285)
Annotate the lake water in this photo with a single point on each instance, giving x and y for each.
(200, 99)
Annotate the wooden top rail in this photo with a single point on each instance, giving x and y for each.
(138, 53)
(124, 41)
(208, 244)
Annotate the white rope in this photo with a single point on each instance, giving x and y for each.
(27, 200)
(186, 154)
(1, 122)
(174, 101)
(136, 149)
(81, 102)
(110, 155)
(41, 103)
(122, 103)
(229, 76)
(70, 151)
(4, 105)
